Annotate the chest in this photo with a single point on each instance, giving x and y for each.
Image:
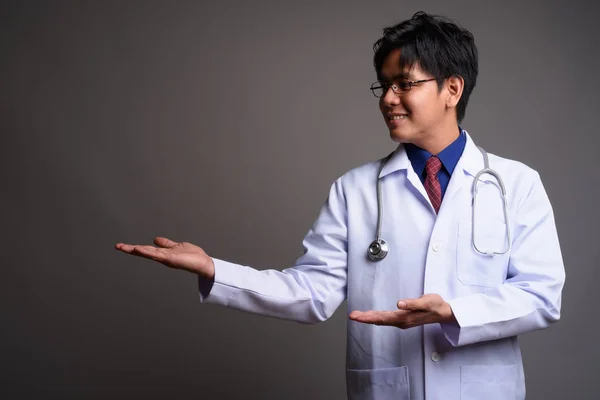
(428, 253)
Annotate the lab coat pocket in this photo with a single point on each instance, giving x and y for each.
(474, 268)
(372, 384)
(489, 382)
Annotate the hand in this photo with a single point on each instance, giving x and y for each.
(183, 255)
(427, 309)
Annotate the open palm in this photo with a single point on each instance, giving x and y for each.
(185, 256)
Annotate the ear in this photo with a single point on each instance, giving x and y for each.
(454, 88)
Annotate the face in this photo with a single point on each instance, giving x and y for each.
(418, 115)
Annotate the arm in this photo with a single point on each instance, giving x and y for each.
(308, 292)
(530, 298)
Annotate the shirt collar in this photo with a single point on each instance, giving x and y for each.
(449, 156)
(471, 160)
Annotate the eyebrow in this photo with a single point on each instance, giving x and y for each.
(400, 76)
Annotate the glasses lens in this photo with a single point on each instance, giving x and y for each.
(404, 86)
(377, 89)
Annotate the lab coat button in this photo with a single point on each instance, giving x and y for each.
(435, 356)
(436, 246)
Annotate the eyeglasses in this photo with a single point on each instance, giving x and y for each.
(379, 89)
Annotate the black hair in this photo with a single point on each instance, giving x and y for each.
(438, 45)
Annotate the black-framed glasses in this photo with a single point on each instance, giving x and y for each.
(381, 88)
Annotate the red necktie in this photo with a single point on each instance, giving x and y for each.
(432, 184)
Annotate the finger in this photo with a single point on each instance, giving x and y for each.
(149, 252)
(390, 318)
(409, 304)
(354, 314)
(126, 248)
(129, 248)
(423, 303)
(164, 242)
(417, 318)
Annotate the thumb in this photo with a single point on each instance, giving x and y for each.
(425, 303)
(407, 304)
(164, 242)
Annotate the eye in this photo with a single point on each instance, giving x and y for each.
(404, 85)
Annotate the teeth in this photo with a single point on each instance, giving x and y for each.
(393, 117)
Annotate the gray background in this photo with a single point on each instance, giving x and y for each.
(223, 124)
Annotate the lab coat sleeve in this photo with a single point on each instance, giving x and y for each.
(307, 292)
(530, 297)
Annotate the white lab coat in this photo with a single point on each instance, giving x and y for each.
(493, 298)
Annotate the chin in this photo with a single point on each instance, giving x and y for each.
(401, 137)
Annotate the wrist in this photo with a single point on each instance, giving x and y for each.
(447, 315)
(205, 269)
(210, 273)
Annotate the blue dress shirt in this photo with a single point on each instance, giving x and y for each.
(449, 158)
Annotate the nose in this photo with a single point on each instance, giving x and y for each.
(390, 98)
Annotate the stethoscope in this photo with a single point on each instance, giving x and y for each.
(379, 248)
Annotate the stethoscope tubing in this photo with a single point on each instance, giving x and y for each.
(379, 248)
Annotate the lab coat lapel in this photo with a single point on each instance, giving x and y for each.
(414, 179)
(399, 161)
(470, 163)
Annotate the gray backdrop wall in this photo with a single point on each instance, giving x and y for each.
(223, 124)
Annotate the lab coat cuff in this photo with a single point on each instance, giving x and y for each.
(204, 287)
(463, 331)
(451, 331)
(222, 288)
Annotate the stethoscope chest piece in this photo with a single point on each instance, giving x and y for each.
(378, 249)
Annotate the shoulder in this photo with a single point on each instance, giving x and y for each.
(516, 170)
(514, 167)
(516, 174)
(363, 175)
(519, 178)
(356, 181)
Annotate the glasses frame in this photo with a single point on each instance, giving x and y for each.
(395, 88)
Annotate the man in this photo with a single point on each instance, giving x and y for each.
(438, 317)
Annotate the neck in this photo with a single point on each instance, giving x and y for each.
(439, 137)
